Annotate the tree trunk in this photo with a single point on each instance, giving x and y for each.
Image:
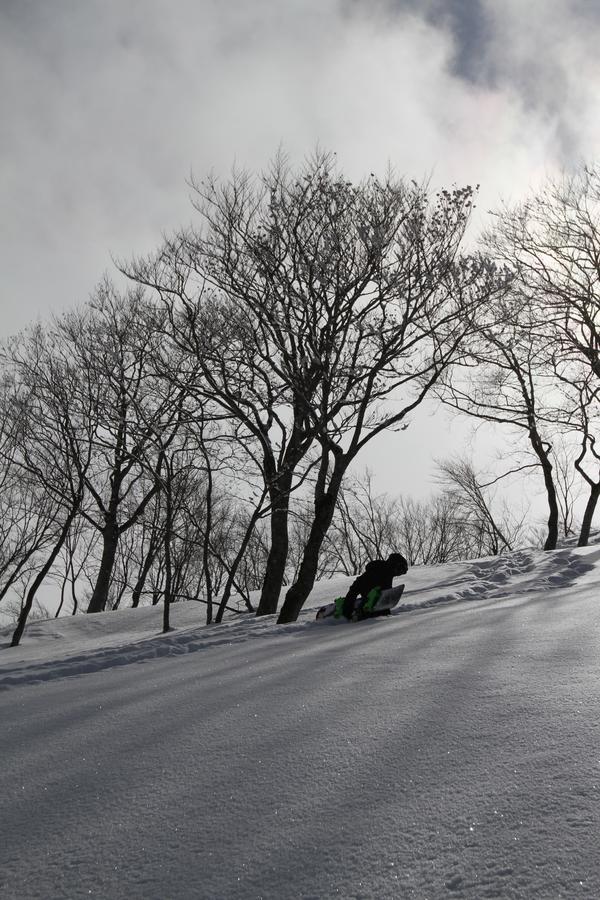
(62, 596)
(554, 512)
(139, 585)
(236, 562)
(110, 536)
(590, 508)
(122, 590)
(325, 502)
(206, 542)
(278, 552)
(73, 593)
(18, 632)
(167, 548)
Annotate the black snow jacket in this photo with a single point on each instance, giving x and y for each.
(378, 573)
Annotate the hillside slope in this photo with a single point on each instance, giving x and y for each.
(451, 750)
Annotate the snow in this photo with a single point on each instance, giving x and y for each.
(451, 750)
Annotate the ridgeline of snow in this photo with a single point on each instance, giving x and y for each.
(451, 750)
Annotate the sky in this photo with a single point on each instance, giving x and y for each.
(108, 107)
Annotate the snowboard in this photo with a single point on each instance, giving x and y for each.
(383, 607)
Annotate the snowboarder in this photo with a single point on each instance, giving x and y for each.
(367, 588)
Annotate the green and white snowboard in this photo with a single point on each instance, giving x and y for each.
(382, 606)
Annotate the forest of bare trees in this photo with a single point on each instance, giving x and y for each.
(199, 433)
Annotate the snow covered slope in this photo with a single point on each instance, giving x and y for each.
(449, 751)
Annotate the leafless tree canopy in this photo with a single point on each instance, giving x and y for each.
(192, 437)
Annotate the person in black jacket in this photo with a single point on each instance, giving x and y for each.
(377, 577)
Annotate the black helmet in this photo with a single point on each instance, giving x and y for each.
(399, 563)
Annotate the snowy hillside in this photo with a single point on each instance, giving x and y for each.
(449, 751)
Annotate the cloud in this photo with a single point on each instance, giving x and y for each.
(466, 21)
(541, 55)
(107, 106)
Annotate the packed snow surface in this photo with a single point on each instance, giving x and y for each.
(451, 750)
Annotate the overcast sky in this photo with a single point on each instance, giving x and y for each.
(107, 105)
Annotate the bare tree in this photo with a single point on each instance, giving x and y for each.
(13, 611)
(506, 379)
(491, 534)
(74, 558)
(462, 522)
(149, 538)
(391, 340)
(27, 510)
(584, 418)
(551, 242)
(567, 492)
(328, 297)
(429, 531)
(53, 446)
(195, 447)
(27, 527)
(365, 526)
(110, 342)
(226, 352)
